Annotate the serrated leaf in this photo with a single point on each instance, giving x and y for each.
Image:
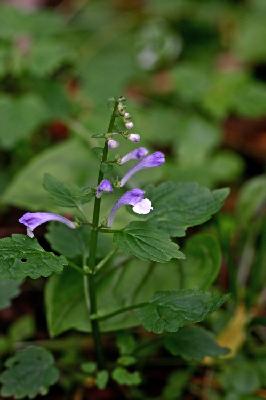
(193, 343)
(168, 311)
(29, 372)
(21, 256)
(124, 377)
(147, 243)
(178, 206)
(66, 195)
(8, 290)
(102, 379)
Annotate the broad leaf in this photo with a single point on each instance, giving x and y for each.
(203, 261)
(168, 311)
(8, 290)
(178, 206)
(147, 243)
(29, 372)
(73, 243)
(193, 343)
(26, 191)
(66, 195)
(130, 283)
(19, 118)
(21, 256)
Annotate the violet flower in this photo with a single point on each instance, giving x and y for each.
(33, 219)
(134, 137)
(153, 160)
(104, 186)
(134, 198)
(112, 144)
(136, 154)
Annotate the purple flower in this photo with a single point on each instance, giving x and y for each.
(112, 144)
(136, 154)
(153, 160)
(134, 198)
(33, 220)
(104, 186)
(134, 137)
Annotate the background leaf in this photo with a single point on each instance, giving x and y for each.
(29, 372)
(8, 290)
(193, 343)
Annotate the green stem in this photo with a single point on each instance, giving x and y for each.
(107, 230)
(76, 268)
(89, 281)
(101, 317)
(102, 263)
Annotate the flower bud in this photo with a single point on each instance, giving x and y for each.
(112, 144)
(104, 186)
(129, 124)
(134, 137)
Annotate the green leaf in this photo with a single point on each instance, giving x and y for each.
(29, 372)
(89, 367)
(21, 256)
(240, 377)
(178, 206)
(22, 329)
(193, 343)
(70, 243)
(147, 243)
(124, 377)
(203, 261)
(19, 118)
(251, 200)
(8, 290)
(176, 384)
(134, 283)
(102, 379)
(168, 311)
(66, 196)
(26, 191)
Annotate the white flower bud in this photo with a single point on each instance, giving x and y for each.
(134, 137)
(129, 124)
(127, 115)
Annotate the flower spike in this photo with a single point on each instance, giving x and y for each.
(134, 198)
(136, 154)
(33, 220)
(153, 160)
(104, 186)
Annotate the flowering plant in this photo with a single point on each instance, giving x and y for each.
(96, 285)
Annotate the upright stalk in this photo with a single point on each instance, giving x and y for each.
(89, 280)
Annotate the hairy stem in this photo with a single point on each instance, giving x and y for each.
(89, 281)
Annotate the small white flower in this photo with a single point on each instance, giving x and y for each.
(127, 115)
(143, 207)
